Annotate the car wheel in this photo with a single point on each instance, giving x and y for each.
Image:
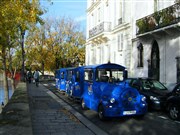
(174, 112)
(83, 105)
(101, 112)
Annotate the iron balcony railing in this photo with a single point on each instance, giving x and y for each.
(159, 19)
(102, 27)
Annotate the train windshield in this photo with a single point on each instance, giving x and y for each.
(109, 75)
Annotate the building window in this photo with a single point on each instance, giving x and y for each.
(107, 3)
(92, 56)
(140, 55)
(178, 68)
(99, 14)
(120, 8)
(120, 42)
(92, 20)
(92, 2)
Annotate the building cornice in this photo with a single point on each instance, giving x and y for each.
(121, 27)
(93, 6)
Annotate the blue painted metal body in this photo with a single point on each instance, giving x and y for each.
(63, 79)
(69, 79)
(57, 78)
(75, 81)
(104, 86)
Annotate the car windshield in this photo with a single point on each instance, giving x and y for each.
(149, 84)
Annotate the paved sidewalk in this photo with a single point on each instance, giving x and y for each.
(50, 115)
(15, 117)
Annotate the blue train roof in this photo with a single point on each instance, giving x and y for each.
(108, 65)
(65, 69)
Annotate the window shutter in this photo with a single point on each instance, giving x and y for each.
(120, 42)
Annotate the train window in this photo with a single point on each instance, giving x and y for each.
(77, 76)
(62, 75)
(88, 75)
(117, 75)
(111, 75)
(69, 75)
(102, 75)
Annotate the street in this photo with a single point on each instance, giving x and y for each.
(153, 123)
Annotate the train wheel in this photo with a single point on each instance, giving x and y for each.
(101, 112)
(83, 105)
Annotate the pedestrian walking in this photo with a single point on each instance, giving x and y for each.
(29, 76)
(36, 77)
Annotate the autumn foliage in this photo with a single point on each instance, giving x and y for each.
(58, 43)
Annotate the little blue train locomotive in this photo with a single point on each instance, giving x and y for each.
(103, 88)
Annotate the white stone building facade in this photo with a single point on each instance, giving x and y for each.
(108, 32)
(155, 49)
(128, 32)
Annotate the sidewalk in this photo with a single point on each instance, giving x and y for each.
(52, 116)
(15, 118)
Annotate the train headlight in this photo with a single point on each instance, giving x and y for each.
(143, 98)
(112, 100)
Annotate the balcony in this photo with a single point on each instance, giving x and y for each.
(99, 29)
(161, 19)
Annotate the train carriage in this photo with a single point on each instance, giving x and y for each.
(63, 79)
(69, 80)
(106, 92)
(57, 78)
(75, 81)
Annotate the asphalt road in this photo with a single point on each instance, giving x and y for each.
(153, 123)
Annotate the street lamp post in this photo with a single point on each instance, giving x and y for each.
(23, 53)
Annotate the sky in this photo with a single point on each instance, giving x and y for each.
(76, 9)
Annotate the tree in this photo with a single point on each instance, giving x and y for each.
(37, 51)
(58, 43)
(69, 41)
(15, 17)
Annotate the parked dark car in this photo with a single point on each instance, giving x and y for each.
(155, 92)
(173, 103)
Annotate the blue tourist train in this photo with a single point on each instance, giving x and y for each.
(103, 88)
(106, 92)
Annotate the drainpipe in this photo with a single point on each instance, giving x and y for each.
(165, 59)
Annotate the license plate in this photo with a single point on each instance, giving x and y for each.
(129, 112)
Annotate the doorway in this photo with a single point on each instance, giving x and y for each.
(154, 62)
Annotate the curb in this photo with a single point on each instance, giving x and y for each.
(96, 130)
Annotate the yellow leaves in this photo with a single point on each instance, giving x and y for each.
(16, 13)
(57, 43)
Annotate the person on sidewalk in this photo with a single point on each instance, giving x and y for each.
(30, 75)
(36, 77)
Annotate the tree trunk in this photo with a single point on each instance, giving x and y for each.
(42, 67)
(13, 84)
(6, 90)
(11, 71)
